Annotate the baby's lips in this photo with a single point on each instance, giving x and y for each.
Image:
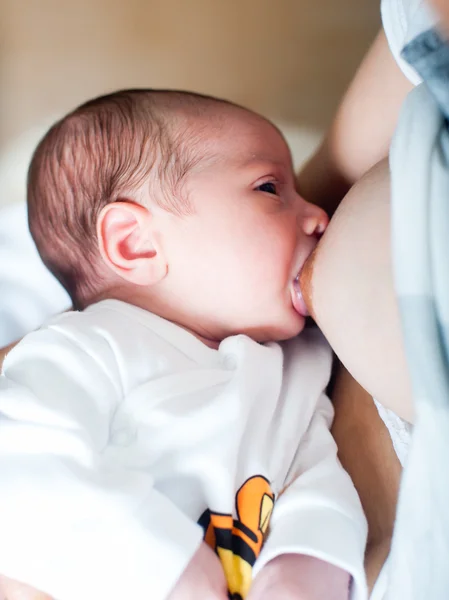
(298, 299)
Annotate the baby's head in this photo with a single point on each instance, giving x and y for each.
(181, 204)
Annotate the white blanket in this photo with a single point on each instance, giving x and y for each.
(29, 294)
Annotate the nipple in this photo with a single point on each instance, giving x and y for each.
(305, 280)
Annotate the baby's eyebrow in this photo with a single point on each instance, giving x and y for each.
(283, 169)
(260, 158)
(263, 161)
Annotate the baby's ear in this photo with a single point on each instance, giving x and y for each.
(127, 241)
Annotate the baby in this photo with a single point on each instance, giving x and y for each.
(162, 419)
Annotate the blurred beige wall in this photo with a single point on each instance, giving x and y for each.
(289, 59)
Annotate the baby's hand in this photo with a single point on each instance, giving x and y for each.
(203, 578)
(12, 590)
(299, 577)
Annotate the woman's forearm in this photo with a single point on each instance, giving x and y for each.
(361, 132)
(366, 452)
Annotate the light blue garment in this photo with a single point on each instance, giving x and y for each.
(419, 158)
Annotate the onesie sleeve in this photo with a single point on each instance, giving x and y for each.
(74, 522)
(319, 512)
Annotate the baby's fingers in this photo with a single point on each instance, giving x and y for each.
(13, 590)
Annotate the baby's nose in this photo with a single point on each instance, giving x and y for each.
(314, 220)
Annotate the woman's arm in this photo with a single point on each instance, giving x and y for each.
(366, 451)
(442, 8)
(361, 132)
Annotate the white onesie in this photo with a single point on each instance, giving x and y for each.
(124, 441)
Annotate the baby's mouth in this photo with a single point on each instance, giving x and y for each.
(297, 297)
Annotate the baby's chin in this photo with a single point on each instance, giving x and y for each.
(283, 326)
(279, 332)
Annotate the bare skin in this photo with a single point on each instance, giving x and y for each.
(348, 285)
(3, 353)
(12, 590)
(442, 7)
(361, 132)
(348, 281)
(366, 452)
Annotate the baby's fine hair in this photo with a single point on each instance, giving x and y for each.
(102, 152)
